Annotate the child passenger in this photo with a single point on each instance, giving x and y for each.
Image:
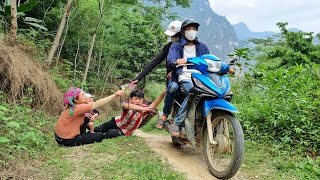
(133, 113)
(67, 130)
(89, 117)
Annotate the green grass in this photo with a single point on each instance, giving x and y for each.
(134, 161)
(263, 162)
(56, 166)
(118, 158)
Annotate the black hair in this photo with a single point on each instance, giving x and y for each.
(183, 30)
(137, 93)
(96, 111)
(177, 35)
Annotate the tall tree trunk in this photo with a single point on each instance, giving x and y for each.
(46, 10)
(14, 23)
(59, 32)
(63, 40)
(100, 54)
(101, 3)
(106, 79)
(75, 61)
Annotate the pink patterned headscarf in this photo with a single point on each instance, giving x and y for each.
(69, 96)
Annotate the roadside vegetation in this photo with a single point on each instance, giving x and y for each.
(279, 105)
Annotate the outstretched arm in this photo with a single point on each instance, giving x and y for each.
(105, 100)
(157, 60)
(130, 106)
(159, 99)
(156, 103)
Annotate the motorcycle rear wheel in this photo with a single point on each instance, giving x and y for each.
(224, 159)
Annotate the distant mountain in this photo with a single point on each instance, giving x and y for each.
(215, 30)
(244, 33)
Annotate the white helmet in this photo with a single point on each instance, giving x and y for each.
(173, 28)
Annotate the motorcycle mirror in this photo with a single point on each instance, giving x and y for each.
(233, 61)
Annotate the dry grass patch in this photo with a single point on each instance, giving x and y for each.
(21, 76)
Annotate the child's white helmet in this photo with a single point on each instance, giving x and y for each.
(173, 28)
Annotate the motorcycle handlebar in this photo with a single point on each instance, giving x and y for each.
(179, 65)
(232, 62)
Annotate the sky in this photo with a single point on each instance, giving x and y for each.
(263, 15)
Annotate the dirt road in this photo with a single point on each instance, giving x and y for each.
(186, 159)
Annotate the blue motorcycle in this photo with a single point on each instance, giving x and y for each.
(211, 124)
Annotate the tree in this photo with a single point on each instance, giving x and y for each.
(286, 75)
(59, 32)
(14, 23)
(238, 54)
(133, 35)
(172, 3)
(294, 47)
(101, 4)
(63, 40)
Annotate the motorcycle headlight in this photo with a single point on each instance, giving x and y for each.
(213, 66)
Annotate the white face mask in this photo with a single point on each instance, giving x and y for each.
(191, 34)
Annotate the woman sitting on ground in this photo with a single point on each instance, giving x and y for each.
(67, 130)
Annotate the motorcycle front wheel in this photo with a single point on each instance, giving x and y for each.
(224, 159)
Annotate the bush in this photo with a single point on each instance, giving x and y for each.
(22, 129)
(64, 76)
(284, 107)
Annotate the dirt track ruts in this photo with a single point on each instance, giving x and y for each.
(186, 160)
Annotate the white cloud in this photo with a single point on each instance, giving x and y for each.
(262, 15)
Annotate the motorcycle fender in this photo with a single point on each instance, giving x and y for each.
(222, 104)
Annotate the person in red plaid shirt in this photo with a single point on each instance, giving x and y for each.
(134, 112)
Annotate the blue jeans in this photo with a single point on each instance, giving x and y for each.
(186, 85)
(171, 91)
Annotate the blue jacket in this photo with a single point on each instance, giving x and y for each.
(176, 52)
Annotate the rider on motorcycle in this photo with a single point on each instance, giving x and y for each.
(173, 31)
(188, 46)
